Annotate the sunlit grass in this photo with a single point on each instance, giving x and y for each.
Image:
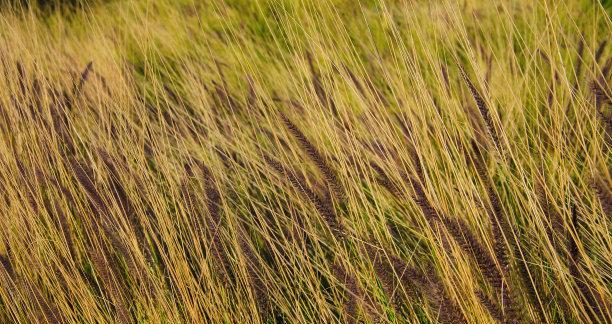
(306, 161)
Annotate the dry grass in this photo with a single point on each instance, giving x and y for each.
(306, 161)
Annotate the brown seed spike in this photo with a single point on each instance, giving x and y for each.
(555, 224)
(384, 180)
(323, 206)
(120, 195)
(84, 176)
(355, 295)
(446, 80)
(46, 312)
(252, 96)
(491, 307)
(498, 221)
(319, 160)
(431, 286)
(117, 187)
(254, 266)
(6, 265)
(353, 291)
(213, 196)
(323, 97)
(355, 81)
(213, 222)
(385, 274)
(600, 50)
(482, 107)
(108, 280)
(603, 96)
(63, 225)
(468, 243)
(595, 302)
(397, 273)
(579, 58)
(84, 76)
(21, 79)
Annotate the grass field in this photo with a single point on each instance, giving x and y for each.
(311, 161)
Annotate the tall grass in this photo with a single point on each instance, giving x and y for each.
(306, 161)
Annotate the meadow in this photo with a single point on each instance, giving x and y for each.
(311, 161)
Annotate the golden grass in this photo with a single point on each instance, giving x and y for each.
(306, 161)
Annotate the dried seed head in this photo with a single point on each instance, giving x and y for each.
(319, 160)
(254, 268)
(322, 205)
(483, 108)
